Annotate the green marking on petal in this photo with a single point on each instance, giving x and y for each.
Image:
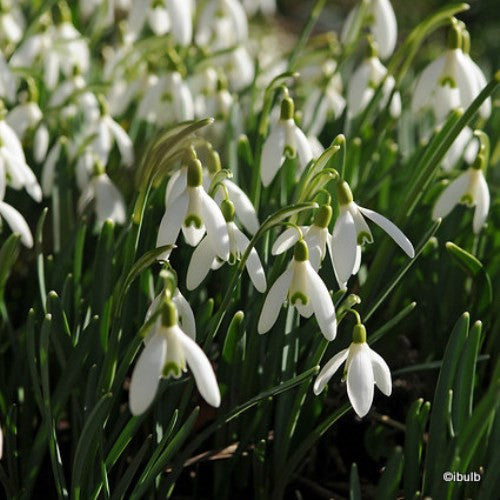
(299, 296)
(364, 237)
(289, 152)
(448, 81)
(171, 369)
(193, 220)
(467, 199)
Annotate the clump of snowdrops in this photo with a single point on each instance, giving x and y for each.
(207, 225)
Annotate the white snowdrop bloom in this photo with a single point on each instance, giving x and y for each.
(167, 100)
(363, 84)
(316, 236)
(451, 81)
(222, 24)
(364, 369)
(382, 23)
(14, 219)
(267, 7)
(49, 167)
(108, 201)
(24, 116)
(8, 82)
(12, 22)
(167, 353)
(41, 142)
(322, 104)
(464, 146)
(237, 66)
(12, 156)
(306, 292)
(192, 210)
(205, 258)
(351, 231)
(107, 131)
(469, 187)
(286, 139)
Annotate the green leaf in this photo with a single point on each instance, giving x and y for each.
(8, 255)
(354, 485)
(234, 334)
(40, 268)
(389, 482)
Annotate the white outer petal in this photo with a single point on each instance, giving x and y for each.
(182, 25)
(328, 371)
(176, 185)
(109, 202)
(381, 373)
(427, 83)
(384, 28)
(274, 300)
(357, 87)
(203, 372)
(41, 143)
(285, 241)
(343, 246)
(146, 375)
(322, 303)
(360, 381)
(304, 151)
(482, 197)
(122, 141)
(391, 229)
(200, 263)
(186, 315)
(243, 207)
(272, 154)
(451, 196)
(171, 222)
(17, 223)
(216, 226)
(254, 266)
(49, 169)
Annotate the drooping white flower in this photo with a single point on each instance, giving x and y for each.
(192, 210)
(205, 258)
(13, 217)
(351, 231)
(363, 84)
(167, 353)
(306, 292)
(364, 368)
(236, 65)
(8, 82)
(167, 100)
(109, 202)
(316, 236)
(469, 187)
(222, 24)
(382, 23)
(24, 116)
(12, 22)
(107, 131)
(12, 157)
(286, 139)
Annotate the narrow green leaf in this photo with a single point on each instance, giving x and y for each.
(234, 334)
(40, 268)
(388, 485)
(8, 255)
(354, 485)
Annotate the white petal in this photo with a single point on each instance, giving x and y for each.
(109, 202)
(202, 370)
(381, 373)
(243, 207)
(456, 149)
(49, 169)
(356, 90)
(465, 78)
(391, 229)
(122, 141)
(427, 83)
(384, 28)
(176, 185)
(304, 152)
(182, 26)
(485, 109)
(285, 240)
(272, 154)
(186, 315)
(254, 266)
(40, 143)
(451, 196)
(482, 197)
(360, 382)
(146, 375)
(171, 222)
(216, 226)
(274, 301)
(200, 263)
(343, 246)
(328, 371)
(321, 303)
(17, 223)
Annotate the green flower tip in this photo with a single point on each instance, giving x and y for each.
(454, 36)
(340, 140)
(371, 48)
(344, 193)
(213, 161)
(323, 216)
(359, 334)
(300, 251)
(194, 173)
(287, 108)
(168, 314)
(227, 209)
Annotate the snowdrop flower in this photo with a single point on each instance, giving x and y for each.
(193, 211)
(12, 157)
(109, 202)
(167, 353)
(13, 218)
(451, 81)
(205, 258)
(222, 24)
(305, 290)
(8, 82)
(470, 188)
(365, 81)
(364, 369)
(12, 23)
(316, 236)
(106, 131)
(267, 7)
(285, 140)
(351, 231)
(382, 22)
(167, 100)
